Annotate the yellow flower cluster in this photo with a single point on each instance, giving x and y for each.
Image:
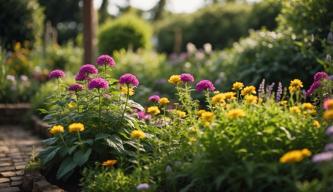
(328, 106)
(164, 101)
(316, 124)
(154, 110)
(218, 99)
(309, 108)
(295, 109)
(200, 112)
(295, 85)
(249, 90)
(237, 86)
(235, 113)
(109, 163)
(174, 79)
(328, 115)
(230, 95)
(56, 129)
(295, 156)
(180, 114)
(124, 90)
(137, 134)
(75, 127)
(207, 117)
(250, 99)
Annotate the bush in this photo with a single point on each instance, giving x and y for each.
(271, 55)
(307, 17)
(25, 26)
(126, 32)
(228, 21)
(264, 14)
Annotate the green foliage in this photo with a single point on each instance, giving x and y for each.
(67, 57)
(229, 22)
(264, 14)
(307, 17)
(126, 32)
(22, 27)
(272, 55)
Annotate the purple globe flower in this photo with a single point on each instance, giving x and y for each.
(320, 75)
(75, 87)
(98, 83)
(323, 157)
(88, 69)
(143, 116)
(81, 77)
(186, 78)
(106, 60)
(204, 85)
(129, 79)
(57, 73)
(154, 98)
(315, 85)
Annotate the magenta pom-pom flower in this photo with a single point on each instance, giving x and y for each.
(186, 78)
(57, 73)
(154, 98)
(314, 86)
(75, 87)
(129, 79)
(81, 77)
(204, 85)
(319, 76)
(88, 69)
(143, 116)
(98, 83)
(105, 60)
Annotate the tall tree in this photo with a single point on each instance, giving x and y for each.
(103, 11)
(158, 10)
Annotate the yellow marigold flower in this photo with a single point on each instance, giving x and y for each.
(137, 134)
(237, 86)
(295, 85)
(292, 157)
(306, 152)
(207, 117)
(251, 99)
(174, 79)
(124, 90)
(56, 129)
(153, 110)
(328, 115)
(200, 112)
(295, 109)
(164, 101)
(109, 163)
(71, 105)
(316, 124)
(308, 106)
(219, 98)
(229, 95)
(235, 113)
(76, 127)
(249, 90)
(180, 114)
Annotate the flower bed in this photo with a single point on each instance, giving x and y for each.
(245, 139)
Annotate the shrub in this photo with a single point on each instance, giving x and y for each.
(128, 31)
(26, 26)
(264, 14)
(271, 55)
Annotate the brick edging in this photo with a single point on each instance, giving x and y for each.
(36, 182)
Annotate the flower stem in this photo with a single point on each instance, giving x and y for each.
(126, 101)
(63, 140)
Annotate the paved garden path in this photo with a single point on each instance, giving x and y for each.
(16, 146)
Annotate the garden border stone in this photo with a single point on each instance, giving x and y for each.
(14, 114)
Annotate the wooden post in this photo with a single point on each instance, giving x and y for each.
(89, 31)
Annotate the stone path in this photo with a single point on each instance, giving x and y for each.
(16, 146)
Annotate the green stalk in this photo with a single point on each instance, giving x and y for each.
(63, 140)
(126, 101)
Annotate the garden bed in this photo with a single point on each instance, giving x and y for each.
(14, 113)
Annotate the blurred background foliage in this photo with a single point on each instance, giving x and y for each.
(224, 41)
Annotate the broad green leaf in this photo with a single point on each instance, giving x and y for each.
(80, 157)
(65, 167)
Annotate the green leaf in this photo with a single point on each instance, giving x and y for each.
(65, 167)
(81, 157)
(50, 141)
(50, 156)
(101, 136)
(116, 143)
